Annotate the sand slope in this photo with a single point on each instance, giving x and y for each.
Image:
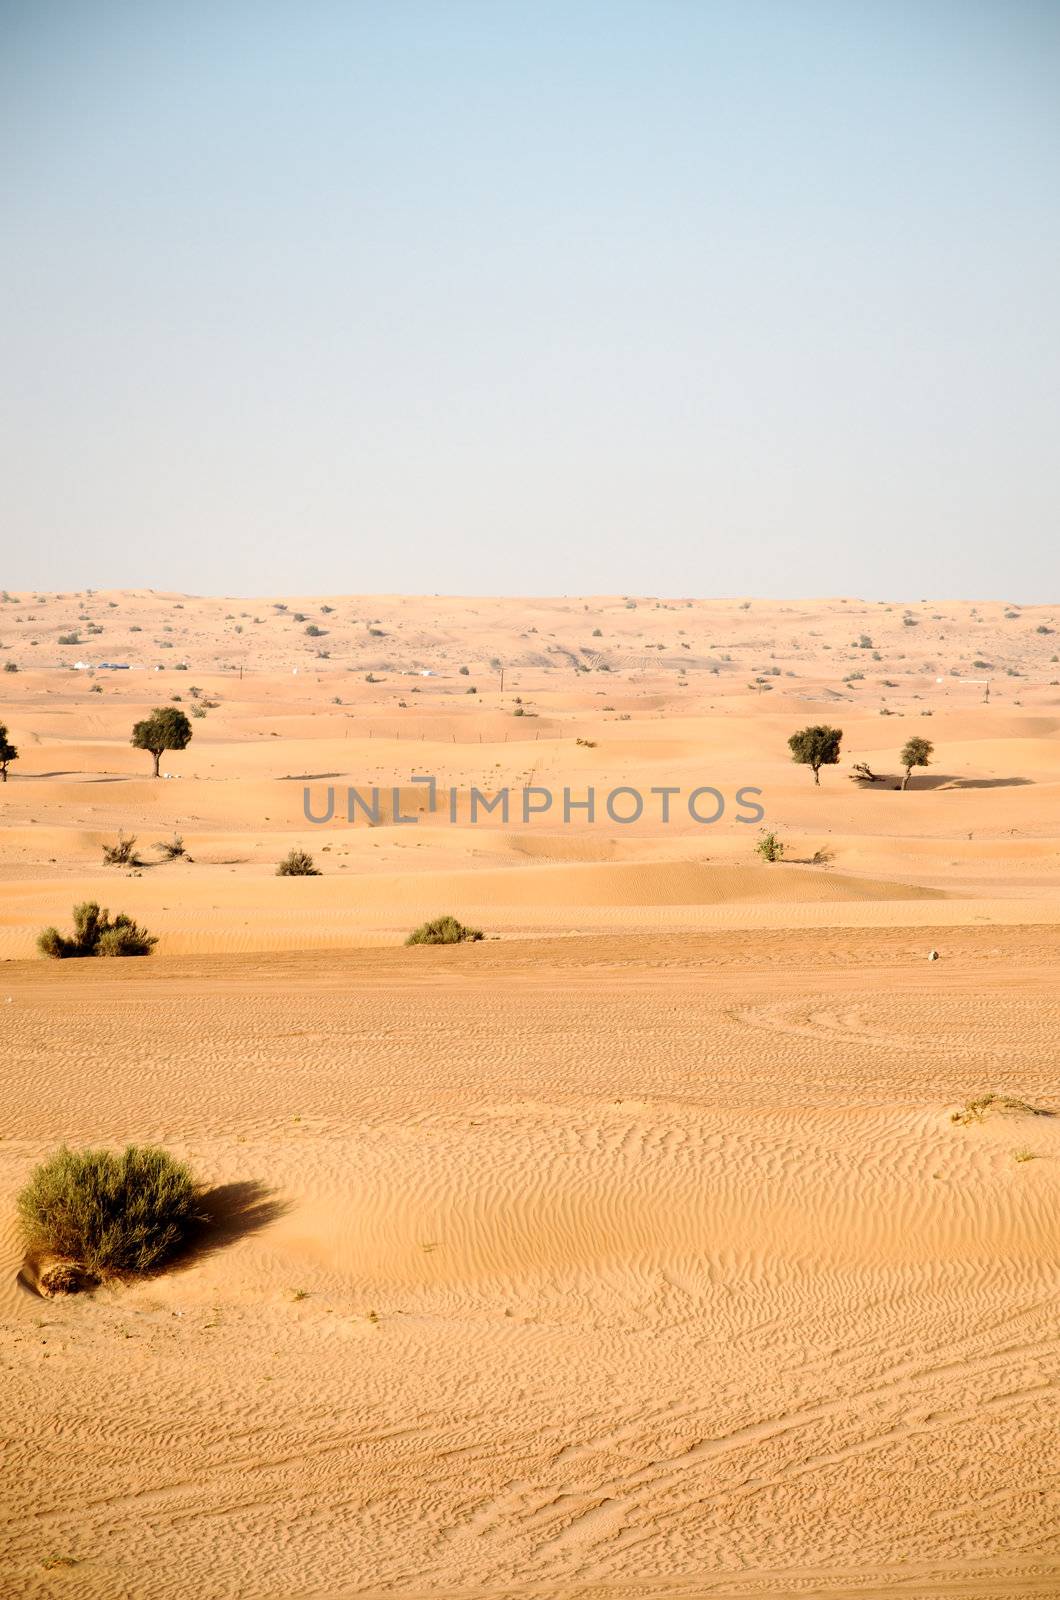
(622, 1259)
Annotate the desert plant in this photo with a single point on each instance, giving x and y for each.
(916, 752)
(444, 930)
(770, 848)
(165, 729)
(109, 1213)
(125, 937)
(122, 854)
(7, 751)
(171, 849)
(816, 747)
(975, 1110)
(10, 666)
(95, 935)
(297, 864)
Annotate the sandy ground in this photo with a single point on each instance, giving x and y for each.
(631, 1252)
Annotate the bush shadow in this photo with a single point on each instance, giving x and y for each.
(228, 1212)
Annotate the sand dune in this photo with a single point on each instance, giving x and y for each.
(632, 1252)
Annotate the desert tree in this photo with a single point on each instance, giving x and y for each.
(165, 729)
(816, 747)
(7, 752)
(916, 752)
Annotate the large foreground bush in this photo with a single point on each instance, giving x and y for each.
(109, 1213)
(95, 935)
(443, 930)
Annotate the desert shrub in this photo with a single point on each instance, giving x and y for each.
(444, 930)
(297, 864)
(122, 854)
(95, 935)
(10, 666)
(976, 1110)
(770, 847)
(110, 1213)
(465, 672)
(69, 638)
(171, 849)
(50, 942)
(125, 937)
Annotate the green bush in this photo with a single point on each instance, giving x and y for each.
(444, 930)
(125, 938)
(95, 935)
(110, 1213)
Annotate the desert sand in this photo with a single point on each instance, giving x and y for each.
(633, 1251)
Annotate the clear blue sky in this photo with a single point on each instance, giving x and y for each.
(678, 298)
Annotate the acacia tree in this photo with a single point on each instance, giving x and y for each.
(7, 752)
(915, 753)
(165, 729)
(816, 747)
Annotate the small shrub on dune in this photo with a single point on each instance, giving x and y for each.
(444, 930)
(770, 848)
(171, 849)
(297, 864)
(125, 938)
(95, 935)
(977, 1109)
(109, 1213)
(122, 854)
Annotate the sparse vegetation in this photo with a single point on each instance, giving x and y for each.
(122, 854)
(816, 747)
(165, 729)
(297, 864)
(770, 847)
(171, 849)
(444, 930)
(8, 751)
(109, 1214)
(95, 935)
(976, 1110)
(916, 752)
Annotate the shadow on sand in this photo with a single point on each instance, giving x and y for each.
(230, 1212)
